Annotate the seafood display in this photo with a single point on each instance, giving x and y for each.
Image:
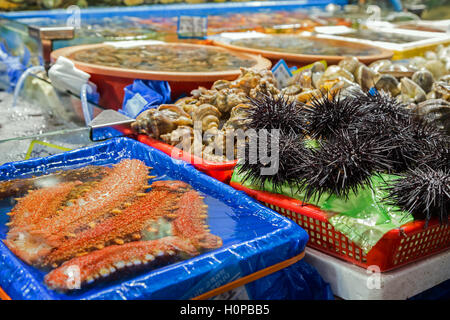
(52, 4)
(422, 83)
(106, 28)
(425, 25)
(354, 138)
(275, 21)
(403, 43)
(300, 49)
(105, 224)
(172, 58)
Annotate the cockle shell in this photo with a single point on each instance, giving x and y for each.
(350, 64)
(440, 90)
(389, 84)
(424, 79)
(411, 92)
(436, 111)
(380, 65)
(366, 77)
(436, 67)
(335, 73)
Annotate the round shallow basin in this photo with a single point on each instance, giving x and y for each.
(184, 66)
(301, 50)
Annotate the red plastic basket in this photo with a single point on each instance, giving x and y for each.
(221, 171)
(398, 247)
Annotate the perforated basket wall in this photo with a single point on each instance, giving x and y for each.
(398, 247)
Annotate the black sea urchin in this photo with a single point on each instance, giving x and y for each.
(381, 104)
(416, 142)
(342, 164)
(412, 142)
(275, 112)
(328, 113)
(279, 155)
(438, 157)
(424, 192)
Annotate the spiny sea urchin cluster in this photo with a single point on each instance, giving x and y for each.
(380, 103)
(358, 136)
(419, 153)
(273, 159)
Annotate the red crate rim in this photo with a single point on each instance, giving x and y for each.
(316, 213)
(176, 153)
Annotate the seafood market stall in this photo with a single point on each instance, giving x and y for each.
(159, 22)
(254, 150)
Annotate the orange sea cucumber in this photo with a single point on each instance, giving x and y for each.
(128, 225)
(114, 259)
(127, 180)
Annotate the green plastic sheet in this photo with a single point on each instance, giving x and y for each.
(364, 218)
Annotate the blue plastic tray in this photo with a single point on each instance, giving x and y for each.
(254, 237)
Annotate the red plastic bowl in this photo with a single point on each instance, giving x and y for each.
(297, 59)
(111, 81)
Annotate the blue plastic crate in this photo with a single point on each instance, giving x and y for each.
(254, 237)
(173, 10)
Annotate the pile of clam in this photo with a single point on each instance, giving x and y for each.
(421, 83)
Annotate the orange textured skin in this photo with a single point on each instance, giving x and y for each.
(190, 222)
(105, 262)
(18, 187)
(126, 180)
(102, 227)
(33, 243)
(131, 220)
(40, 204)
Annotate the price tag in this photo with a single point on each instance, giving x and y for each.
(39, 149)
(135, 105)
(192, 27)
(282, 74)
(309, 66)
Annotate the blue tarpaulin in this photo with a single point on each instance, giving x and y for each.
(254, 237)
(11, 67)
(144, 94)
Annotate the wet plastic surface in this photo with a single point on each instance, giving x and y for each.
(301, 281)
(251, 235)
(26, 129)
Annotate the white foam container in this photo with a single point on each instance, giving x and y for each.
(401, 50)
(351, 282)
